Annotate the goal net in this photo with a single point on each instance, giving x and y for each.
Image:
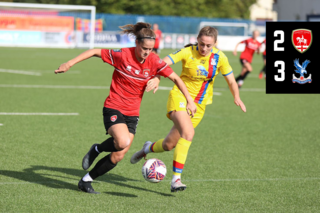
(228, 28)
(47, 25)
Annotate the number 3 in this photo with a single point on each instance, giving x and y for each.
(279, 41)
(281, 71)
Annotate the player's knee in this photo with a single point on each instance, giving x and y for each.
(123, 143)
(188, 135)
(118, 156)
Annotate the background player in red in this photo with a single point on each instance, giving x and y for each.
(158, 39)
(246, 56)
(264, 61)
(134, 67)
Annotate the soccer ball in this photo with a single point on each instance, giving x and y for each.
(154, 170)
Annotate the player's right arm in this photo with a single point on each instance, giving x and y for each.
(235, 49)
(170, 59)
(167, 60)
(177, 56)
(191, 106)
(83, 56)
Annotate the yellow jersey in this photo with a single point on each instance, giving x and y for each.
(199, 72)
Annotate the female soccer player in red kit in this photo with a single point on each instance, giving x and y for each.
(264, 57)
(158, 39)
(246, 56)
(133, 68)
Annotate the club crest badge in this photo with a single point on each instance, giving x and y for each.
(301, 39)
(213, 62)
(301, 69)
(113, 118)
(146, 72)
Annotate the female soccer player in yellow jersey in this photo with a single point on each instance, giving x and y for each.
(201, 63)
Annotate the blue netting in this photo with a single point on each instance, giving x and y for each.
(167, 24)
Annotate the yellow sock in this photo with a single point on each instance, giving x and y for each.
(156, 146)
(180, 156)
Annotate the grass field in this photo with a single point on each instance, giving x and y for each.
(265, 160)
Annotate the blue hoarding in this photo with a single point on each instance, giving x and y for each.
(20, 37)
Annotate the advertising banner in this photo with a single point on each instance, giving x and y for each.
(20, 37)
(85, 24)
(103, 38)
(128, 40)
(180, 41)
(37, 23)
(64, 38)
(167, 40)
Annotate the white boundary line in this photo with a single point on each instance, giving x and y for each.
(36, 113)
(169, 88)
(252, 75)
(21, 72)
(1, 124)
(248, 180)
(52, 72)
(53, 86)
(165, 88)
(72, 87)
(107, 87)
(242, 89)
(36, 73)
(199, 180)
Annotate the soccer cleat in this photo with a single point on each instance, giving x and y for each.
(178, 186)
(89, 157)
(136, 157)
(261, 75)
(86, 187)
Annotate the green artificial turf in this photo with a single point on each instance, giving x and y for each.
(265, 160)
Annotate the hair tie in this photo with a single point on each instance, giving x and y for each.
(148, 37)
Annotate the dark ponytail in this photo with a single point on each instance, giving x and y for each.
(140, 30)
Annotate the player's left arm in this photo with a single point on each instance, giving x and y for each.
(233, 86)
(228, 75)
(258, 49)
(153, 84)
(263, 44)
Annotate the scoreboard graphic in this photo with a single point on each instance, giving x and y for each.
(293, 57)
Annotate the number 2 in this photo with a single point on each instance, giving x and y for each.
(279, 41)
(281, 71)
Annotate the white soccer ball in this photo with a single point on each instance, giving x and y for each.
(154, 170)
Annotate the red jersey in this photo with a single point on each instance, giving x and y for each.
(130, 78)
(251, 47)
(158, 38)
(265, 47)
